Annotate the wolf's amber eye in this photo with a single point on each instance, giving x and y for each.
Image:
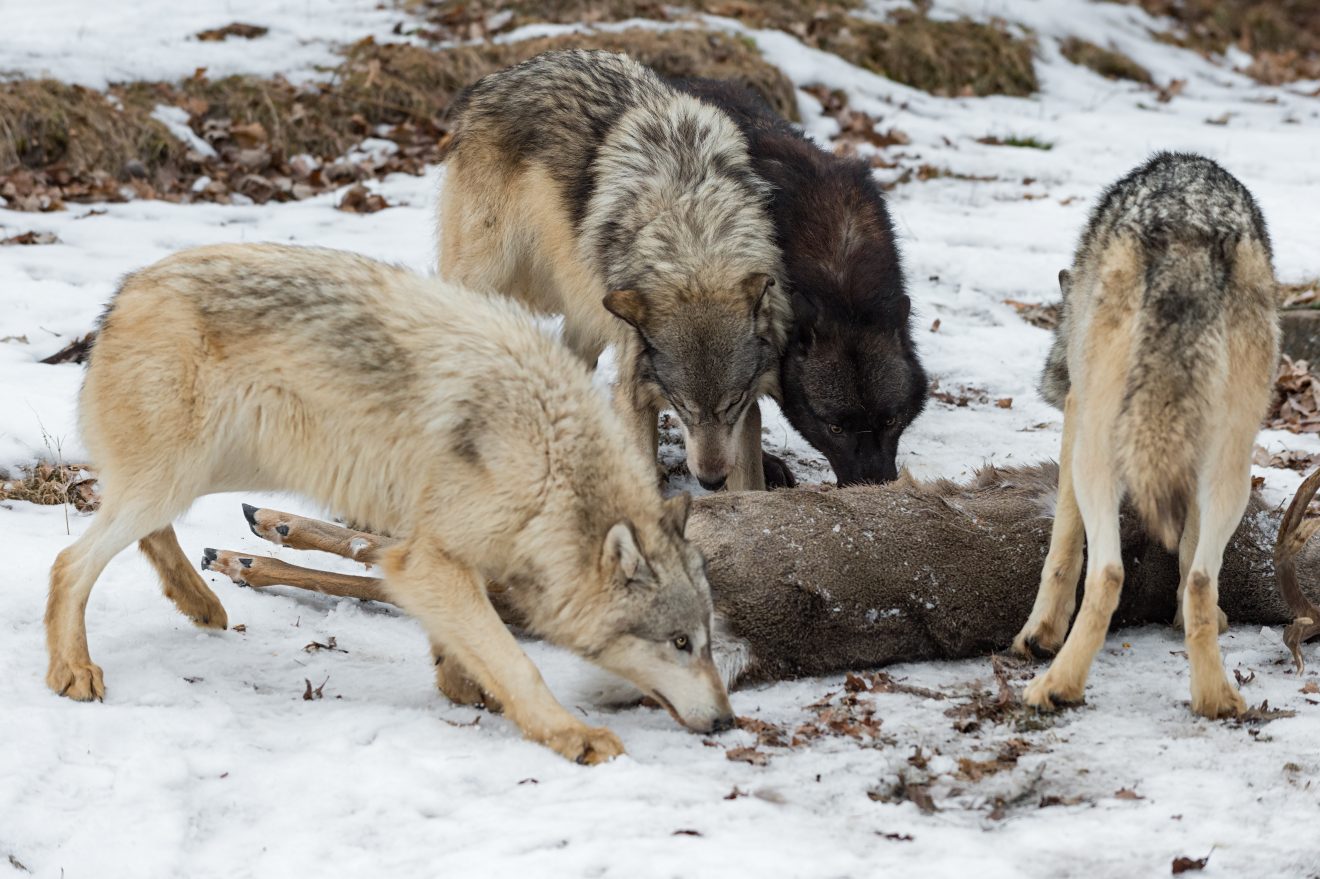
(682, 643)
(835, 429)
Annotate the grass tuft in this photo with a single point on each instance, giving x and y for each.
(1109, 63)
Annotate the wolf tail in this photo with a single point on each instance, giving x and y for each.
(1176, 366)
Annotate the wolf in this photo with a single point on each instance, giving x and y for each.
(580, 184)
(850, 380)
(1162, 365)
(439, 415)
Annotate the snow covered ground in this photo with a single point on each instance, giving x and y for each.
(206, 760)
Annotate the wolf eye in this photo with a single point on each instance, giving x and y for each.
(835, 429)
(682, 643)
(891, 421)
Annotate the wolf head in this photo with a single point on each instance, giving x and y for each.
(851, 390)
(661, 617)
(709, 355)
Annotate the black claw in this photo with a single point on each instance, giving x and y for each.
(282, 530)
(208, 556)
(250, 513)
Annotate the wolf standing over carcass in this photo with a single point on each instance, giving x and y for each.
(850, 380)
(445, 417)
(1162, 365)
(581, 184)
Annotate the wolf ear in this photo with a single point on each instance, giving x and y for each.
(621, 551)
(628, 306)
(676, 510)
(1065, 281)
(757, 286)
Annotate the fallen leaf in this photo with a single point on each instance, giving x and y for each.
(747, 755)
(30, 238)
(1244, 679)
(1183, 864)
(1310, 687)
(1004, 402)
(237, 29)
(1127, 794)
(935, 327)
(686, 832)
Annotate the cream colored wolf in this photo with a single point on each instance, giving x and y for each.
(581, 184)
(1162, 365)
(438, 414)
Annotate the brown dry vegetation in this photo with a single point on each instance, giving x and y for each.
(61, 143)
(51, 484)
(1283, 35)
(1109, 63)
(942, 57)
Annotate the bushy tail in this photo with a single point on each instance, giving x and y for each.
(1175, 365)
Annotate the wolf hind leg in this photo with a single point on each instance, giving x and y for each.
(451, 603)
(180, 580)
(1096, 485)
(1186, 550)
(1225, 487)
(71, 671)
(1056, 599)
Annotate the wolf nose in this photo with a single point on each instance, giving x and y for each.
(713, 484)
(722, 724)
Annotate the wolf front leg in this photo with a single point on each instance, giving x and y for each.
(1056, 599)
(449, 600)
(749, 470)
(638, 412)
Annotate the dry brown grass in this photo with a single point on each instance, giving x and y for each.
(947, 58)
(52, 485)
(941, 57)
(1283, 35)
(59, 143)
(1109, 63)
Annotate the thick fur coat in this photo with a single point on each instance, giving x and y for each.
(1163, 365)
(445, 417)
(850, 379)
(583, 185)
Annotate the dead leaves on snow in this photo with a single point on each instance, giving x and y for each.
(1296, 404)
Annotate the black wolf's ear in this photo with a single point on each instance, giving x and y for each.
(627, 305)
(676, 510)
(621, 551)
(1065, 281)
(757, 286)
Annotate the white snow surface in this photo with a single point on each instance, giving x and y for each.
(205, 760)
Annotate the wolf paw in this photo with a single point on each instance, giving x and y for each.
(454, 682)
(205, 611)
(1220, 699)
(777, 472)
(1037, 641)
(1046, 694)
(81, 681)
(585, 744)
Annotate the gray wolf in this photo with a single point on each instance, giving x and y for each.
(581, 184)
(440, 415)
(850, 380)
(1162, 365)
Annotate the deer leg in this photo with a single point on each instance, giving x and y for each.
(1294, 532)
(298, 532)
(260, 572)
